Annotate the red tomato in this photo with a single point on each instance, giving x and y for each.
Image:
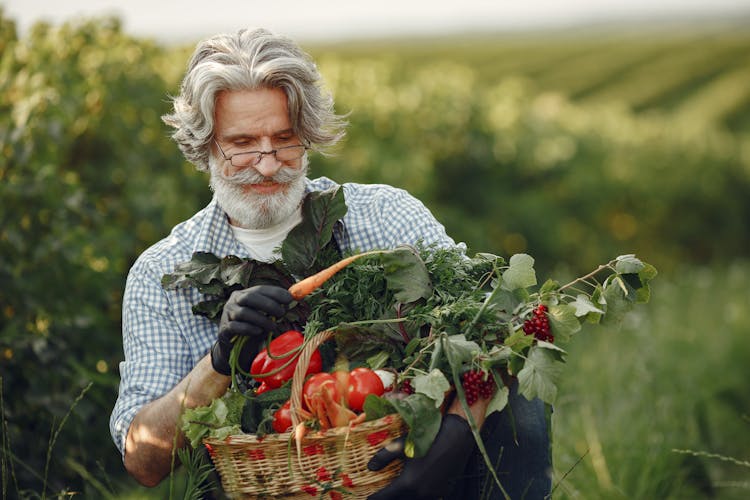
(282, 418)
(362, 382)
(319, 382)
(281, 349)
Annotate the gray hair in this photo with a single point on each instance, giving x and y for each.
(247, 60)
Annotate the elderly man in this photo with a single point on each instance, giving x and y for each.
(250, 109)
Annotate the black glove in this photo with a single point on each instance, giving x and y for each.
(429, 476)
(248, 313)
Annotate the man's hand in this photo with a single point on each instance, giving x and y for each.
(248, 313)
(429, 476)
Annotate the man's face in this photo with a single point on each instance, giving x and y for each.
(265, 194)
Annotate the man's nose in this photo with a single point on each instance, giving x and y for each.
(268, 164)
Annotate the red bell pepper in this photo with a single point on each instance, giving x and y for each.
(268, 370)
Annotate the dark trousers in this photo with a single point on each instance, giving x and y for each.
(517, 441)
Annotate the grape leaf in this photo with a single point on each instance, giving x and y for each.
(406, 274)
(628, 264)
(618, 304)
(643, 294)
(320, 212)
(537, 378)
(584, 306)
(499, 401)
(461, 350)
(520, 273)
(433, 385)
(563, 321)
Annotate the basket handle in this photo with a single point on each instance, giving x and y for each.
(300, 371)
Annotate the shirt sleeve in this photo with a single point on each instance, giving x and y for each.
(385, 217)
(157, 356)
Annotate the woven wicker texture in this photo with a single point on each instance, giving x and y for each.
(330, 462)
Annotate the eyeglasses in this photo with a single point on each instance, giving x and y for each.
(251, 158)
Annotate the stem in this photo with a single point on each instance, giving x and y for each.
(589, 275)
(479, 313)
(469, 417)
(56, 434)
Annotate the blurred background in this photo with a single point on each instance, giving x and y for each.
(574, 133)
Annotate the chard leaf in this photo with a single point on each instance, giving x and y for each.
(520, 273)
(539, 373)
(320, 212)
(201, 271)
(433, 385)
(235, 271)
(210, 308)
(406, 274)
(422, 418)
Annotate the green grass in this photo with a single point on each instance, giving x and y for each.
(674, 377)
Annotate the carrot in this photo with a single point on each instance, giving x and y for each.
(305, 287)
(299, 434)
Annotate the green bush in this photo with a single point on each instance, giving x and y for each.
(553, 147)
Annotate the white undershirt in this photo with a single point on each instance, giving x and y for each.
(264, 244)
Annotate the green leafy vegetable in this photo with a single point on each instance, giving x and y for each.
(320, 212)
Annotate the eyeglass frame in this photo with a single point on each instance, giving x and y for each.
(260, 154)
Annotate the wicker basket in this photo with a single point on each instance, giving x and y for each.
(332, 463)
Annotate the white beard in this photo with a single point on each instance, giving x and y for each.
(253, 210)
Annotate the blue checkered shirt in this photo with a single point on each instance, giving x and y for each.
(163, 340)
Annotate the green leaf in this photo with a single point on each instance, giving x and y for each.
(497, 355)
(499, 401)
(378, 360)
(563, 321)
(200, 271)
(618, 303)
(213, 420)
(423, 419)
(549, 286)
(211, 308)
(584, 306)
(461, 350)
(504, 300)
(557, 352)
(520, 273)
(433, 385)
(320, 212)
(376, 407)
(643, 294)
(628, 264)
(235, 271)
(539, 374)
(406, 274)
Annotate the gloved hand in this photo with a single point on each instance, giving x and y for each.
(428, 476)
(248, 313)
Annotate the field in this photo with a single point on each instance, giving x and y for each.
(572, 147)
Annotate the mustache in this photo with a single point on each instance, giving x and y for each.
(250, 175)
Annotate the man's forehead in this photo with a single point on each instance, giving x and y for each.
(250, 113)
